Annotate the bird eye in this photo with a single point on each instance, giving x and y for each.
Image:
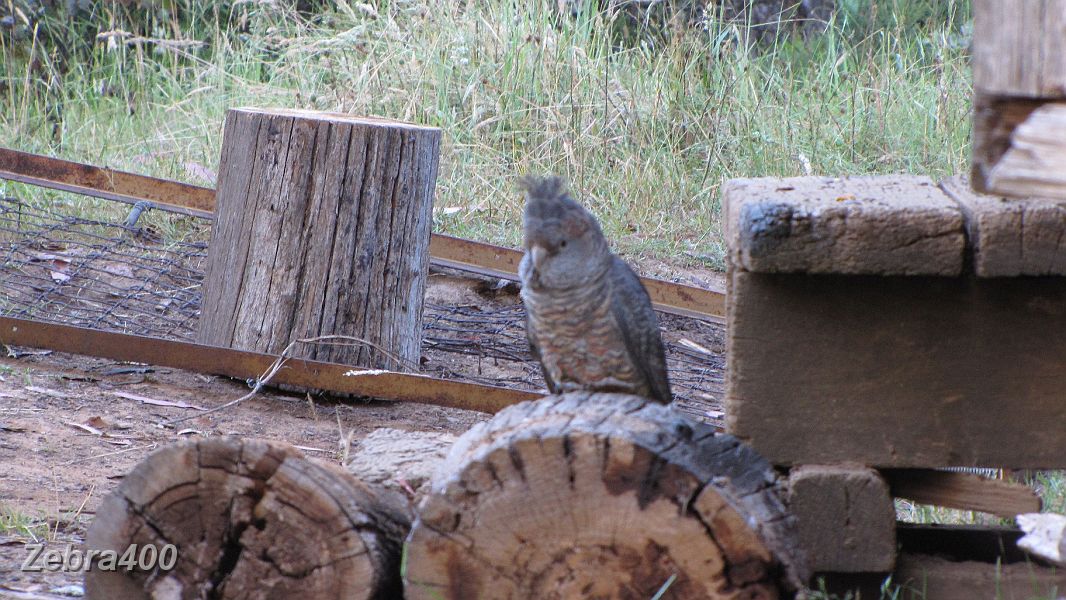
(562, 244)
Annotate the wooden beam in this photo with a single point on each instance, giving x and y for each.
(898, 372)
(964, 491)
(1019, 48)
(845, 518)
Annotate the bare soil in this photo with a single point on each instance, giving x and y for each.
(72, 426)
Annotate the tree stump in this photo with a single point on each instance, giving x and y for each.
(601, 496)
(248, 519)
(322, 227)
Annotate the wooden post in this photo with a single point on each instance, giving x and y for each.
(1019, 72)
(601, 496)
(322, 227)
(245, 517)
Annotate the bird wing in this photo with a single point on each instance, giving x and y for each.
(631, 307)
(535, 351)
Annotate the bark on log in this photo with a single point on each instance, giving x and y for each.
(249, 519)
(322, 227)
(601, 496)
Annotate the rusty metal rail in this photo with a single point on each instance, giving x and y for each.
(109, 184)
(310, 374)
(467, 255)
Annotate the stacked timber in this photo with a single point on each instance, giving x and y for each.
(882, 328)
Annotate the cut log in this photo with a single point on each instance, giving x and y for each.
(248, 519)
(601, 496)
(401, 462)
(994, 120)
(964, 491)
(322, 227)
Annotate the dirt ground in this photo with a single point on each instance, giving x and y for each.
(72, 426)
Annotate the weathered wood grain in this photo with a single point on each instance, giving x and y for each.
(884, 225)
(322, 227)
(898, 371)
(250, 519)
(1011, 237)
(1019, 48)
(1034, 162)
(601, 496)
(965, 491)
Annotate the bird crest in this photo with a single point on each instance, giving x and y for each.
(547, 198)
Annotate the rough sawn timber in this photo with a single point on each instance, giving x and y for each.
(601, 496)
(898, 371)
(249, 519)
(883, 225)
(1012, 237)
(322, 227)
(845, 516)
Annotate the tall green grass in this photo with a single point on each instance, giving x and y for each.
(646, 126)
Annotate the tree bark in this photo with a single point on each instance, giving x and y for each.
(249, 519)
(322, 227)
(601, 496)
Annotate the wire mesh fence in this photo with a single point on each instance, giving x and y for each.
(91, 273)
(130, 277)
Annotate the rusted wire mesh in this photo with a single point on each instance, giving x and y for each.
(92, 273)
(116, 276)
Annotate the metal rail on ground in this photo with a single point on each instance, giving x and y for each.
(345, 379)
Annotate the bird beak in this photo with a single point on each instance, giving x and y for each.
(538, 253)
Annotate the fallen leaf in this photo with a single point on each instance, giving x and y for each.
(694, 346)
(845, 197)
(198, 171)
(45, 391)
(155, 402)
(310, 448)
(97, 422)
(85, 428)
(120, 269)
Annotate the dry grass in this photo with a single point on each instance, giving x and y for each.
(645, 126)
